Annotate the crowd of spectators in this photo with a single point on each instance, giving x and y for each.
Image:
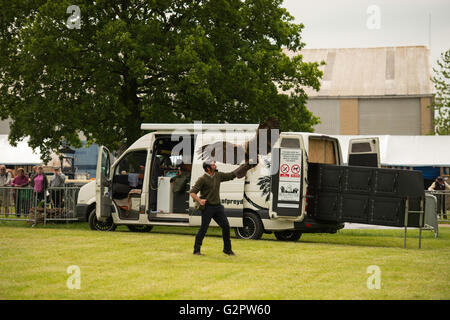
(17, 198)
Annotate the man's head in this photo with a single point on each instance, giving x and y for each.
(2, 169)
(209, 166)
(440, 179)
(56, 169)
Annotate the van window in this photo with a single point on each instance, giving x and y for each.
(290, 143)
(132, 162)
(361, 147)
(322, 151)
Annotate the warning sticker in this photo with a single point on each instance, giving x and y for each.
(284, 170)
(289, 191)
(295, 171)
(290, 175)
(290, 169)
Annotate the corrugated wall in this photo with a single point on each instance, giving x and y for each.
(329, 112)
(4, 127)
(390, 116)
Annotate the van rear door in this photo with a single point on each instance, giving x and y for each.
(288, 178)
(103, 184)
(364, 152)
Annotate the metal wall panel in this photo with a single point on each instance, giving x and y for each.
(4, 126)
(329, 113)
(397, 116)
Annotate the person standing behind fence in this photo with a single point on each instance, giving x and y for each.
(22, 197)
(5, 181)
(440, 185)
(57, 181)
(39, 183)
(32, 173)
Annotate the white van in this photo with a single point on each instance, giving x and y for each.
(137, 190)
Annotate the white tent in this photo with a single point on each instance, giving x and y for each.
(22, 154)
(411, 151)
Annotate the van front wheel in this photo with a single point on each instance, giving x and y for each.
(252, 227)
(107, 225)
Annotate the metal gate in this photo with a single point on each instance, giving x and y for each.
(24, 204)
(442, 204)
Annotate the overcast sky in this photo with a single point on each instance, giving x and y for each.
(374, 23)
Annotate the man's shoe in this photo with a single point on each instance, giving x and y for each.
(197, 253)
(230, 253)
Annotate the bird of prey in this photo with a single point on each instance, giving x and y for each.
(260, 144)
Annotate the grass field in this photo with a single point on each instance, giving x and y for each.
(160, 264)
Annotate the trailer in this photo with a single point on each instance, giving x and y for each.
(301, 186)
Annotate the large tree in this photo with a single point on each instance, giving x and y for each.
(134, 61)
(441, 102)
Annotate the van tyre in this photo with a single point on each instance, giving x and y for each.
(134, 228)
(252, 229)
(288, 235)
(107, 225)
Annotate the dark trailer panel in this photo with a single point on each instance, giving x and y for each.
(364, 195)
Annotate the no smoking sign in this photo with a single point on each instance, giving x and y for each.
(284, 170)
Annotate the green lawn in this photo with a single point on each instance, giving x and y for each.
(160, 264)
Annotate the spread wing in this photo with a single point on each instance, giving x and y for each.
(230, 153)
(222, 151)
(267, 132)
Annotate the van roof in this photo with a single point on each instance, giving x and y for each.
(198, 126)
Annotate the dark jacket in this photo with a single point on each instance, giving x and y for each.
(45, 181)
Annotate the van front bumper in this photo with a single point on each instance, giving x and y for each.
(81, 211)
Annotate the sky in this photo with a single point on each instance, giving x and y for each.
(374, 23)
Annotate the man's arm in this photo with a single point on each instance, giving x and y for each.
(195, 189)
(8, 179)
(196, 198)
(431, 188)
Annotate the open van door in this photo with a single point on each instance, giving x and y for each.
(288, 178)
(364, 152)
(103, 184)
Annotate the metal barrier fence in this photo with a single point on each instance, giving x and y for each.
(443, 204)
(24, 204)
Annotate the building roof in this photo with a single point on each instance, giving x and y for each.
(385, 71)
(22, 154)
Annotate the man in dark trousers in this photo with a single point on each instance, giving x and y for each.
(209, 203)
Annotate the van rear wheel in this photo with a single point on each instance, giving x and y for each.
(107, 225)
(252, 227)
(141, 228)
(288, 235)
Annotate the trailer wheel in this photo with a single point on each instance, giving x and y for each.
(252, 229)
(288, 235)
(135, 228)
(97, 225)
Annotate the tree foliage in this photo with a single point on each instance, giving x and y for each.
(441, 102)
(135, 61)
